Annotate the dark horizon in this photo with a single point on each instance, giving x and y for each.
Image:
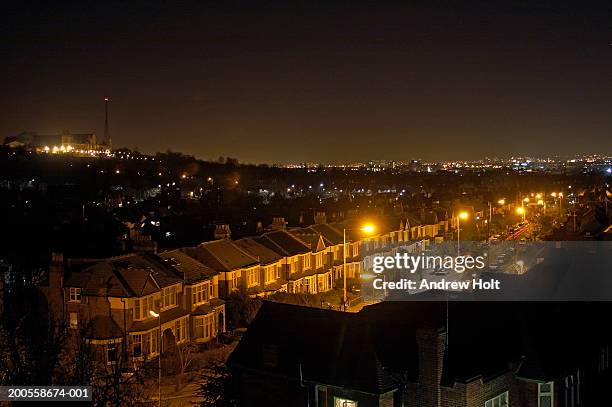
(335, 83)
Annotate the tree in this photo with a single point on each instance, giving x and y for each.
(218, 387)
(113, 382)
(242, 308)
(185, 353)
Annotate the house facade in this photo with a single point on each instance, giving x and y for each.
(120, 304)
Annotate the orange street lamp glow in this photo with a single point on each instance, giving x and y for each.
(520, 210)
(368, 229)
(539, 196)
(526, 199)
(540, 202)
(463, 215)
(554, 194)
(501, 202)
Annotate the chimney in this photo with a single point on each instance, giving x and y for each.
(320, 217)
(55, 295)
(278, 223)
(222, 231)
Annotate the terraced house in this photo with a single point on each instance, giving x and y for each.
(305, 266)
(118, 304)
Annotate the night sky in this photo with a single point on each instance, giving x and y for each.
(314, 81)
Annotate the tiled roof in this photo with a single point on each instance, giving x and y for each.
(284, 243)
(222, 255)
(329, 233)
(315, 240)
(326, 346)
(252, 246)
(166, 316)
(191, 269)
(124, 276)
(103, 327)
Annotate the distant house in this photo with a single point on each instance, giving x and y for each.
(427, 354)
(110, 302)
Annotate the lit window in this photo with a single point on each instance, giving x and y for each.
(137, 308)
(235, 280)
(199, 327)
(75, 294)
(340, 402)
(252, 278)
(74, 320)
(180, 330)
(169, 296)
(199, 294)
(137, 345)
(319, 260)
(498, 401)
(154, 336)
(545, 394)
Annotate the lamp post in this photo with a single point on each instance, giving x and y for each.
(368, 229)
(462, 215)
(158, 316)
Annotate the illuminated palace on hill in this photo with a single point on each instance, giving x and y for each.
(66, 142)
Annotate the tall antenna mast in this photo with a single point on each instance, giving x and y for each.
(107, 139)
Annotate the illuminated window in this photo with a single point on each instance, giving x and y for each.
(180, 330)
(340, 402)
(169, 296)
(200, 293)
(545, 394)
(252, 278)
(498, 401)
(137, 345)
(235, 280)
(319, 260)
(270, 273)
(74, 320)
(75, 294)
(154, 336)
(137, 308)
(199, 327)
(307, 261)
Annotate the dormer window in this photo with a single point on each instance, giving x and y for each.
(75, 294)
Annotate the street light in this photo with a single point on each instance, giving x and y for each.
(521, 211)
(461, 216)
(156, 315)
(367, 229)
(501, 202)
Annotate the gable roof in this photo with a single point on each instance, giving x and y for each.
(222, 255)
(253, 247)
(326, 346)
(312, 238)
(133, 275)
(192, 270)
(284, 243)
(330, 234)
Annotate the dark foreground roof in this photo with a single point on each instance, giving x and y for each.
(365, 351)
